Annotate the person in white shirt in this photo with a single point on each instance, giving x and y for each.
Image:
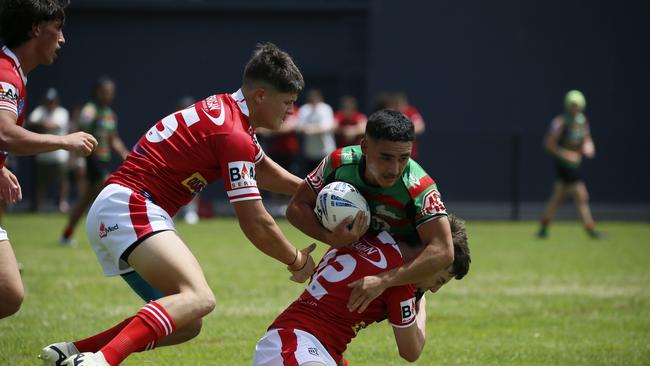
(52, 119)
(316, 124)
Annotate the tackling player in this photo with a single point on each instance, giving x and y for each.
(403, 200)
(32, 32)
(316, 328)
(130, 227)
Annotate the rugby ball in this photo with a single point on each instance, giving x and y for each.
(338, 200)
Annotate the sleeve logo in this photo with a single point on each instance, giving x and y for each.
(408, 310)
(8, 93)
(242, 174)
(432, 204)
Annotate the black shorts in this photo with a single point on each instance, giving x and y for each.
(567, 175)
(97, 170)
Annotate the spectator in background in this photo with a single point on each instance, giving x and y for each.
(568, 140)
(350, 123)
(97, 118)
(50, 118)
(402, 104)
(316, 124)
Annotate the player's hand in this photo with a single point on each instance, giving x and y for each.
(350, 230)
(304, 266)
(10, 190)
(80, 142)
(364, 290)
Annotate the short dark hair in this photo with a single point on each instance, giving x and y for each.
(17, 17)
(390, 125)
(460, 267)
(273, 66)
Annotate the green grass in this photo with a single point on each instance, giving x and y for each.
(564, 301)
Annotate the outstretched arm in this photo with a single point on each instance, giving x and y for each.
(260, 228)
(20, 141)
(272, 177)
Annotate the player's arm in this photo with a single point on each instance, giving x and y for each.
(260, 228)
(272, 177)
(300, 214)
(20, 141)
(410, 340)
(437, 254)
(551, 143)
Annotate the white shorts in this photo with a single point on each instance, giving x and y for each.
(119, 218)
(290, 347)
(3, 235)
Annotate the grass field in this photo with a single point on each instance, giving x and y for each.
(564, 301)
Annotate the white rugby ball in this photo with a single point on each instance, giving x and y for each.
(338, 200)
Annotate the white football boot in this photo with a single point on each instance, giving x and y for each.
(86, 359)
(56, 353)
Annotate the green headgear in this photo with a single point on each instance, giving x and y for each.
(574, 97)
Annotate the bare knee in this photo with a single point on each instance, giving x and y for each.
(12, 298)
(203, 301)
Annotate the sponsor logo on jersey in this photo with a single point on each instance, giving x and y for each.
(8, 93)
(432, 204)
(368, 251)
(312, 351)
(213, 103)
(195, 183)
(413, 181)
(104, 230)
(357, 327)
(242, 174)
(408, 310)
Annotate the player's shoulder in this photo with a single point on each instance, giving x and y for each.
(380, 250)
(349, 155)
(416, 180)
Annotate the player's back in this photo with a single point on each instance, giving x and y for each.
(322, 308)
(191, 148)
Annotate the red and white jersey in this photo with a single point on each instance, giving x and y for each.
(13, 91)
(192, 148)
(322, 308)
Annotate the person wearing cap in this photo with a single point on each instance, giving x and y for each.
(568, 141)
(51, 118)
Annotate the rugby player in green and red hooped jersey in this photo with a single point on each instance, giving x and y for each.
(403, 200)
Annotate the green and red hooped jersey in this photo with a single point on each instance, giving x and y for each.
(411, 201)
(101, 122)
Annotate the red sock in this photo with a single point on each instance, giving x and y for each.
(96, 342)
(67, 233)
(151, 323)
(589, 227)
(546, 221)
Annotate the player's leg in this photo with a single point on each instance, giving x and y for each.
(558, 196)
(11, 285)
(164, 261)
(581, 199)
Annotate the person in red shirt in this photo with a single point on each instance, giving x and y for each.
(316, 328)
(402, 105)
(350, 123)
(129, 225)
(32, 33)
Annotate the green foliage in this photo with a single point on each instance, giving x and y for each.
(567, 300)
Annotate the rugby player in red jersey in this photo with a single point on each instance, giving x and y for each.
(130, 227)
(316, 329)
(32, 33)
